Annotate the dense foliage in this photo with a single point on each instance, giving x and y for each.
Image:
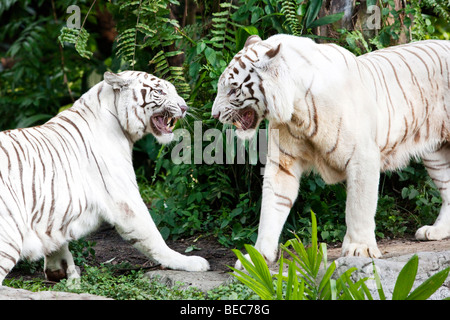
(46, 66)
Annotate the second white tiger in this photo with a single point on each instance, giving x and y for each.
(346, 117)
(59, 181)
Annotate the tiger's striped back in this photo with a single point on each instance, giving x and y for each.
(416, 80)
(43, 183)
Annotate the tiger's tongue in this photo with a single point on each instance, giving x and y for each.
(161, 123)
(246, 120)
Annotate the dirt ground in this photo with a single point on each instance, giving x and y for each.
(109, 245)
(111, 248)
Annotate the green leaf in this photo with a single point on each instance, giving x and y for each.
(429, 286)
(366, 291)
(333, 289)
(258, 278)
(28, 121)
(210, 55)
(406, 279)
(332, 18)
(261, 266)
(324, 289)
(301, 10)
(249, 282)
(378, 282)
(312, 11)
(280, 279)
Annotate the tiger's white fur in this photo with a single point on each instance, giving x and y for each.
(344, 116)
(60, 180)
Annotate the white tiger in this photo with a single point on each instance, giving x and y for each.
(60, 180)
(347, 117)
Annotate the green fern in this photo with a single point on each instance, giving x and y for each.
(5, 5)
(27, 42)
(440, 7)
(223, 36)
(173, 74)
(126, 44)
(289, 9)
(153, 28)
(78, 37)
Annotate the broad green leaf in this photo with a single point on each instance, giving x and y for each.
(332, 18)
(429, 286)
(312, 11)
(210, 55)
(261, 266)
(28, 121)
(250, 282)
(333, 289)
(259, 278)
(405, 279)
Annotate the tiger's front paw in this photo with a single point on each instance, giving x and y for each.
(196, 263)
(360, 250)
(238, 265)
(270, 258)
(177, 261)
(432, 233)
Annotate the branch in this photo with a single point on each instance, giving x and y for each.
(63, 66)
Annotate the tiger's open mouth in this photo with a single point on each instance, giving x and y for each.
(245, 119)
(163, 123)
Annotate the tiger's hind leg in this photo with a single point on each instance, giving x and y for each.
(438, 167)
(9, 255)
(60, 265)
(11, 245)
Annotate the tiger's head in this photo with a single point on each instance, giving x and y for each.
(247, 88)
(146, 104)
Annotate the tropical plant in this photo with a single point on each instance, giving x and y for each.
(302, 16)
(305, 282)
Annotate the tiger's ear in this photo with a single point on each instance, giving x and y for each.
(116, 80)
(251, 40)
(269, 57)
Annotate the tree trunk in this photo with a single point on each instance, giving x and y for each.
(367, 20)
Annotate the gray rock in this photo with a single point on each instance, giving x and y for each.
(204, 281)
(429, 264)
(7, 293)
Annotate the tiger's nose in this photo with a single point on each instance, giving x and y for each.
(183, 108)
(216, 116)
